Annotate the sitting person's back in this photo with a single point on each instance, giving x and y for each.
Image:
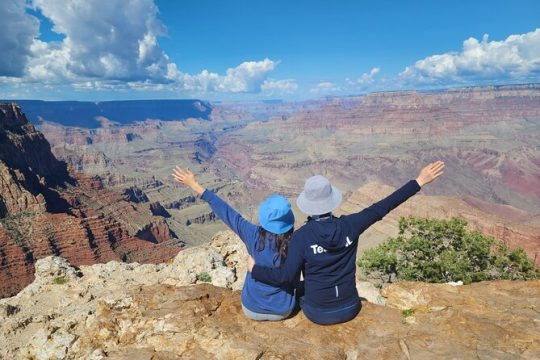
(266, 243)
(329, 256)
(259, 297)
(325, 247)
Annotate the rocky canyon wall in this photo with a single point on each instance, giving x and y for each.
(45, 210)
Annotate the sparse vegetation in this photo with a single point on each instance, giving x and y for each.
(60, 280)
(204, 277)
(407, 313)
(434, 250)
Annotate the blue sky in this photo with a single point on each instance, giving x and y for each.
(247, 50)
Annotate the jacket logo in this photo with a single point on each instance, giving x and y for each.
(319, 249)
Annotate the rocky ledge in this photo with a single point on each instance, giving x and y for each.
(131, 311)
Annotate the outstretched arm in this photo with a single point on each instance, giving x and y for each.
(430, 173)
(186, 178)
(288, 273)
(377, 211)
(245, 230)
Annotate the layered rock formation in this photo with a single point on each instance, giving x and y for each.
(46, 211)
(141, 168)
(488, 137)
(512, 226)
(132, 311)
(29, 169)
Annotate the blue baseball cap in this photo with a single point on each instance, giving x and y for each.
(275, 214)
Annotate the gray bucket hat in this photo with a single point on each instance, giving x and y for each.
(319, 196)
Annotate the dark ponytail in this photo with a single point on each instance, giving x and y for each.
(280, 241)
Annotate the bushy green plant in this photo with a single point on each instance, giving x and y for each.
(434, 250)
(407, 312)
(60, 280)
(204, 277)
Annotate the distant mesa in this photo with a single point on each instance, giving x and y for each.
(87, 114)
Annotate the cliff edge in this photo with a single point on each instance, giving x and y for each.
(164, 311)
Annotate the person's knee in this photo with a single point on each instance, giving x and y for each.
(263, 317)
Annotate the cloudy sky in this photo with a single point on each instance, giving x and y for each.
(255, 49)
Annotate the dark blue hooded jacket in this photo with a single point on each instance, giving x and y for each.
(325, 249)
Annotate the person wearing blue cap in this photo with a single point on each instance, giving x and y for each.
(267, 243)
(325, 247)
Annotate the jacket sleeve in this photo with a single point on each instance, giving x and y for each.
(243, 228)
(364, 219)
(288, 273)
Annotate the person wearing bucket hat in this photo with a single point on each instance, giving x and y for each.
(275, 215)
(319, 196)
(325, 247)
(267, 243)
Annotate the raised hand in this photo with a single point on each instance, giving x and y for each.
(250, 263)
(186, 177)
(430, 173)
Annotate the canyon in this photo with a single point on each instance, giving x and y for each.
(47, 210)
(103, 192)
(103, 256)
(487, 136)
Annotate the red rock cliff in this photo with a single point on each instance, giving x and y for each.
(46, 211)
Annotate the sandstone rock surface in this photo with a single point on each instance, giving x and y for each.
(132, 311)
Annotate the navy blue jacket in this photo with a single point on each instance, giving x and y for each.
(325, 249)
(256, 296)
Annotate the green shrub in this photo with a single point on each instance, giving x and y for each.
(204, 277)
(434, 250)
(407, 312)
(59, 280)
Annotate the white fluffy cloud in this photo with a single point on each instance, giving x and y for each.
(101, 41)
(515, 58)
(366, 78)
(287, 86)
(104, 49)
(325, 87)
(17, 32)
(246, 77)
